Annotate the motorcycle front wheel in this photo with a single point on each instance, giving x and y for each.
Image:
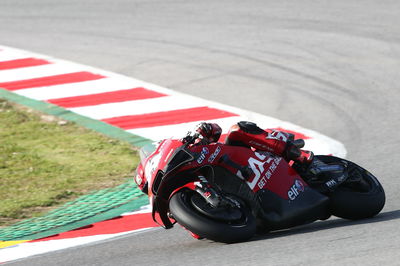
(360, 196)
(224, 224)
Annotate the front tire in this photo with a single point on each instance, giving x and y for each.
(360, 196)
(235, 228)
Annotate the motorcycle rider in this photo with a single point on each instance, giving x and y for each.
(280, 143)
(248, 134)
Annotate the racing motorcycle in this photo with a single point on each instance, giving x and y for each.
(228, 193)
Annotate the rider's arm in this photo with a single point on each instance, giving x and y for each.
(274, 141)
(250, 134)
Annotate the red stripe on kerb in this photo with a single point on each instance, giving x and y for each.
(168, 117)
(50, 80)
(25, 62)
(113, 226)
(107, 97)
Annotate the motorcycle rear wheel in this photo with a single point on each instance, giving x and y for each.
(229, 230)
(356, 200)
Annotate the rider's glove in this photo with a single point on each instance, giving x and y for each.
(209, 131)
(293, 152)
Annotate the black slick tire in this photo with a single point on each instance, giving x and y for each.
(186, 215)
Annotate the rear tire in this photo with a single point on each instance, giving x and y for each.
(358, 199)
(228, 231)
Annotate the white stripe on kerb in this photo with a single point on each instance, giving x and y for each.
(179, 130)
(137, 107)
(78, 89)
(36, 72)
(8, 55)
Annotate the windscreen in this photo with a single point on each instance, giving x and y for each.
(146, 150)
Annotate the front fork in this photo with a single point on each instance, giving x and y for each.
(214, 197)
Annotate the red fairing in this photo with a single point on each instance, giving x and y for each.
(261, 170)
(139, 179)
(270, 140)
(268, 171)
(158, 159)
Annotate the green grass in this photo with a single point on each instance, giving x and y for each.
(45, 162)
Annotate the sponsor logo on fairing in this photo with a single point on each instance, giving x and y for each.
(259, 145)
(331, 183)
(151, 165)
(214, 155)
(261, 176)
(203, 155)
(138, 178)
(278, 135)
(296, 189)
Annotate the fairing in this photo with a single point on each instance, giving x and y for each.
(270, 178)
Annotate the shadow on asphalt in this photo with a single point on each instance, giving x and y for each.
(328, 224)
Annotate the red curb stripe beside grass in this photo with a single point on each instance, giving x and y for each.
(104, 128)
(106, 97)
(50, 80)
(113, 226)
(168, 117)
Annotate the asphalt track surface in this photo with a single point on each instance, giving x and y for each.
(330, 66)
